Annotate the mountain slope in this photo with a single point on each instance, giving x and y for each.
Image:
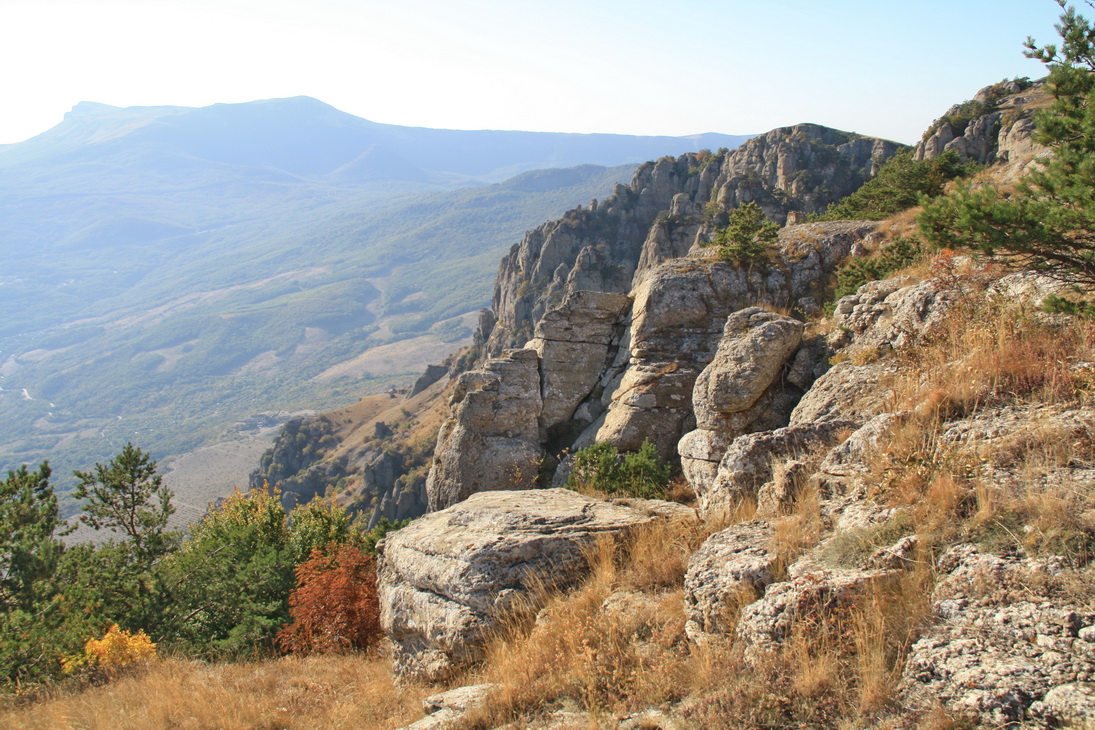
(169, 271)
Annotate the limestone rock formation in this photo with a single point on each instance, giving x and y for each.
(726, 398)
(447, 579)
(611, 372)
(448, 709)
(749, 461)
(732, 566)
(491, 439)
(576, 342)
(431, 375)
(993, 127)
(682, 306)
(999, 647)
(663, 213)
(814, 596)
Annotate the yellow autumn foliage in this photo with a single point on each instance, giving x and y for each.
(116, 650)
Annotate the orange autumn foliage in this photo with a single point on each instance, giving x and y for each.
(334, 608)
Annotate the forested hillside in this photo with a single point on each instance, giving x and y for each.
(170, 271)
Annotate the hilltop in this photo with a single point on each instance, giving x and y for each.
(799, 434)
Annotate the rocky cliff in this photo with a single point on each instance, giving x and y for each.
(669, 206)
(920, 459)
(608, 367)
(992, 128)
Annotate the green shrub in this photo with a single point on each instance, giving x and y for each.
(857, 272)
(748, 236)
(602, 468)
(899, 185)
(1062, 305)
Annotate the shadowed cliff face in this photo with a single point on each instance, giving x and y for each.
(668, 207)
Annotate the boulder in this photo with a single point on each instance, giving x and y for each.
(750, 460)
(448, 579)
(448, 709)
(730, 564)
(754, 349)
(728, 398)
(491, 439)
(998, 648)
(809, 600)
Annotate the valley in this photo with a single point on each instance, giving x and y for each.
(170, 271)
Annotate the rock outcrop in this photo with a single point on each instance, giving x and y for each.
(817, 597)
(994, 127)
(1000, 647)
(577, 342)
(491, 439)
(446, 580)
(727, 397)
(730, 570)
(608, 367)
(642, 335)
(682, 306)
(664, 212)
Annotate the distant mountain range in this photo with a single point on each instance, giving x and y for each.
(169, 271)
(303, 137)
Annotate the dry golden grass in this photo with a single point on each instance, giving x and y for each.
(798, 531)
(992, 352)
(901, 225)
(839, 668)
(1017, 488)
(617, 646)
(316, 692)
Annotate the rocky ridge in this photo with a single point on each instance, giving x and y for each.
(669, 207)
(711, 362)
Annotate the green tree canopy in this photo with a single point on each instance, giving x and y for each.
(29, 548)
(1048, 222)
(127, 495)
(748, 235)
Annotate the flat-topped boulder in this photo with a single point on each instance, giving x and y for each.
(448, 579)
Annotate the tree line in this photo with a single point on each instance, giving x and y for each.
(248, 579)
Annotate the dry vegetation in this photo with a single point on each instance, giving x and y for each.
(354, 691)
(1017, 472)
(617, 644)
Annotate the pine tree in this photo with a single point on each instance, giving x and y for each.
(127, 495)
(1048, 222)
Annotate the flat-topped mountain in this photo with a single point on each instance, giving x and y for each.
(304, 137)
(170, 271)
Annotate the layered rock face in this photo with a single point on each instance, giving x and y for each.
(577, 343)
(711, 360)
(447, 579)
(491, 440)
(664, 212)
(609, 367)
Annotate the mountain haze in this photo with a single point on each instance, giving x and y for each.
(170, 271)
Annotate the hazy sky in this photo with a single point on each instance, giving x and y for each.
(879, 67)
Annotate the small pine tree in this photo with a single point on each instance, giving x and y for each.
(127, 495)
(1048, 223)
(748, 235)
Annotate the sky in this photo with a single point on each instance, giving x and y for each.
(884, 68)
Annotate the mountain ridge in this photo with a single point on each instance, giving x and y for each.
(367, 235)
(473, 155)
